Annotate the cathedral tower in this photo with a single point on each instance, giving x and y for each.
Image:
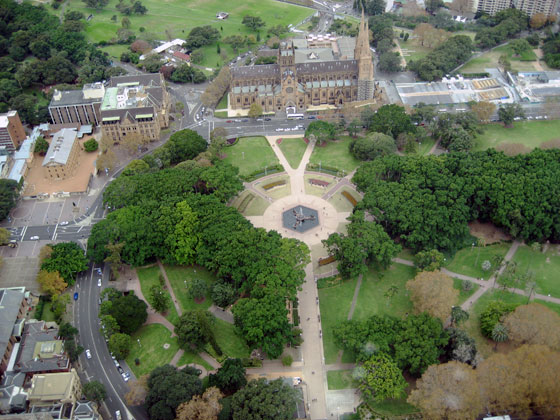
(362, 54)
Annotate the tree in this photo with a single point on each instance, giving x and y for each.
(508, 112)
(96, 4)
(119, 345)
(523, 382)
(67, 331)
(9, 192)
(132, 142)
(499, 334)
(125, 22)
(372, 146)
(429, 260)
(230, 377)
(223, 294)
(216, 90)
(486, 265)
(534, 324)
(322, 130)
(159, 299)
(458, 315)
(200, 36)
(51, 282)
(74, 350)
(91, 145)
(260, 400)
(390, 62)
(41, 146)
(432, 292)
(129, 312)
(380, 378)
(448, 392)
(433, 5)
(205, 407)
(461, 6)
(59, 303)
(519, 46)
(168, 387)
(278, 30)
(109, 324)
(185, 145)
(236, 42)
(138, 391)
(140, 46)
(4, 236)
(255, 111)
(198, 288)
(538, 20)
(483, 110)
(493, 314)
(68, 259)
(253, 22)
(94, 391)
(391, 120)
(190, 330)
(106, 161)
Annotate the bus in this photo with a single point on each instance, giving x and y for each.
(295, 116)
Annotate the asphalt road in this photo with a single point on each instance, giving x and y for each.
(100, 367)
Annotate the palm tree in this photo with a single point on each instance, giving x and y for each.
(458, 315)
(499, 334)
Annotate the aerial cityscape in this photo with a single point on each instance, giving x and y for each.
(279, 209)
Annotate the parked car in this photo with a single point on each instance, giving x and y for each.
(229, 121)
(63, 223)
(99, 282)
(125, 378)
(120, 369)
(76, 296)
(34, 238)
(116, 362)
(279, 129)
(118, 415)
(88, 354)
(311, 117)
(268, 119)
(244, 120)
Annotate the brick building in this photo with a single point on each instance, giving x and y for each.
(77, 106)
(318, 72)
(135, 105)
(61, 159)
(12, 133)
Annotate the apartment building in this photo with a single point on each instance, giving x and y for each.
(12, 133)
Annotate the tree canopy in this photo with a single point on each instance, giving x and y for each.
(432, 292)
(263, 400)
(534, 324)
(230, 377)
(9, 192)
(129, 311)
(391, 120)
(68, 259)
(380, 378)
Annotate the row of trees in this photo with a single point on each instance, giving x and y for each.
(446, 192)
(503, 26)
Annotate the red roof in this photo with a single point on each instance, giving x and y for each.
(182, 56)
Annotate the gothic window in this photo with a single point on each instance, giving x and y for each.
(289, 89)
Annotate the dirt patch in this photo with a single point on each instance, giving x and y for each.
(202, 299)
(488, 232)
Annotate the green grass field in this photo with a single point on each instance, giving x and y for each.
(468, 261)
(335, 304)
(392, 408)
(545, 273)
(231, 344)
(425, 147)
(149, 277)
(340, 379)
(223, 102)
(412, 50)
(150, 351)
(372, 300)
(463, 294)
(472, 326)
(529, 133)
(188, 357)
(335, 154)
(293, 150)
(175, 18)
(180, 276)
(250, 154)
(341, 203)
(490, 59)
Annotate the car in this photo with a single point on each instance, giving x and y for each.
(34, 238)
(116, 362)
(63, 223)
(279, 129)
(88, 354)
(244, 120)
(118, 415)
(99, 282)
(311, 117)
(120, 369)
(113, 357)
(260, 119)
(125, 378)
(268, 119)
(99, 301)
(76, 296)
(229, 121)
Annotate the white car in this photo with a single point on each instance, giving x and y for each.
(99, 282)
(88, 354)
(63, 223)
(34, 238)
(124, 376)
(279, 129)
(118, 415)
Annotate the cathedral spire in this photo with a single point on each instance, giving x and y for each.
(364, 58)
(362, 41)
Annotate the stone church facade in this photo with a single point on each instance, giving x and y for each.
(307, 78)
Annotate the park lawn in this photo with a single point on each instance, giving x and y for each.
(277, 191)
(254, 207)
(484, 345)
(223, 102)
(340, 379)
(149, 276)
(180, 276)
(250, 154)
(293, 150)
(335, 154)
(315, 189)
(412, 50)
(545, 273)
(341, 203)
(468, 261)
(189, 358)
(175, 18)
(463, 294)
(334, 304)
(231, 344)
(115, 51)
(425, 147)
(375, 283)
(48, 315)
(150, 351)
(406, 254)
(490, 60)
(529, 133)
(392, 408)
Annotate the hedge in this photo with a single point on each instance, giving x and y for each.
(273, 184)
(331, 170)
(245, 202)
(475, 75)
(350, 198)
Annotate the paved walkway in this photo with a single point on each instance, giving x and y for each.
(224, 315)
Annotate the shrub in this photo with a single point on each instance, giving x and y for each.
(273, 184)
(350, 198)
(91, 145)
(287, 360)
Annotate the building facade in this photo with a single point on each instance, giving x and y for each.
(77, 106)
(135, 106)
(531, 7)
(61, 159)
(13, 308)
(321, 73)
(12, 133)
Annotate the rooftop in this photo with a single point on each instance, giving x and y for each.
(10, 302)
(40, 351)
(52, 386)
(4, 118)
(60, 147)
